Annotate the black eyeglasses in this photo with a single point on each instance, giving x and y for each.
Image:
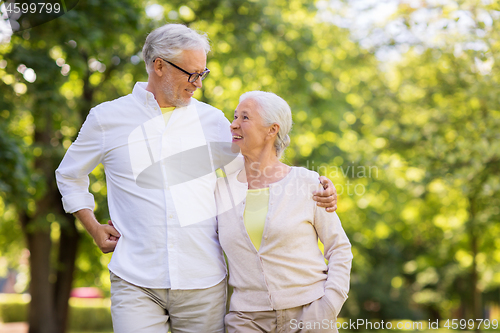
(192, 76)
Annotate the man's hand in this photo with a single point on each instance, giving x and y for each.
(113, 237)
(326, 197)
(105, 235)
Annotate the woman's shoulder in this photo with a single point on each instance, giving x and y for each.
(305, 175)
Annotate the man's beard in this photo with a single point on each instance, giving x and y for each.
(169, 90)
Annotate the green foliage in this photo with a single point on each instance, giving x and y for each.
(412, 146)
(13, 187)
(92, 315)
(13, 170)
(452, 159)
(68, 57)
(13, 307)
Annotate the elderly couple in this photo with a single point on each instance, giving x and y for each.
(177, 201)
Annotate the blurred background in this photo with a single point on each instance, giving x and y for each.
(396, 101)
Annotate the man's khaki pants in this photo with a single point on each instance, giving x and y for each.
(144, 310)
(318, 316)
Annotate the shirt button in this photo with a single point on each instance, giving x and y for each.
(170, 216)
(265, 237)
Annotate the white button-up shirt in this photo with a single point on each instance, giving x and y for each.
(160, 185)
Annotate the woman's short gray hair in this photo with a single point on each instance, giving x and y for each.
(169, 41)
(273, 110)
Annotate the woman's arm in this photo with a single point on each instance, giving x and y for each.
(339, 256)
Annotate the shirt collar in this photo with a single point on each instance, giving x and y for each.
(142, 95)
(146, 97)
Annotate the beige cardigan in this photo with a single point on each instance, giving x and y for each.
(289, 269)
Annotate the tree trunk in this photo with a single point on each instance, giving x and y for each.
(48, 309)
(68, 245)
(41, 316)
(50, 286)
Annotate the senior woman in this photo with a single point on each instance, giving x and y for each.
(269, 226)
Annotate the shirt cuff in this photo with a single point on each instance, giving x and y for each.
(75, 202)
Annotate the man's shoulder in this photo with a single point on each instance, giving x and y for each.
(203, 104)
(214, 122)
(206, 108)
(115, 104)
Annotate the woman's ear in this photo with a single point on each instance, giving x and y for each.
(274, 130)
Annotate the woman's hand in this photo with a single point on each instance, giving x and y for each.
(327, 197)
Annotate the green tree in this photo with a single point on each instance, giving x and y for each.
(277, 46)
(446, 126)
(412, 145)
(430, 124)
(68, 56)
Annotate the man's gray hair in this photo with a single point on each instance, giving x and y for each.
(169, 41)
(273, 110)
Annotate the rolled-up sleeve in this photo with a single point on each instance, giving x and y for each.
(80, 159)
(339, 256)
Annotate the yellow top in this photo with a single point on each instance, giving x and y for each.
(167, 113)
(219, 173)
(254, 217)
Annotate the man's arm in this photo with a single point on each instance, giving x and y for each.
(73, 181)
(327, 197)
(105, 236)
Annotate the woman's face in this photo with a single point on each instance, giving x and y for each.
(247, 128)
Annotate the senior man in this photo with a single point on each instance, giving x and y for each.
(160, 149)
